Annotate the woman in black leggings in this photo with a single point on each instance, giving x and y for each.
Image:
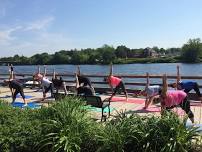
(16, 87)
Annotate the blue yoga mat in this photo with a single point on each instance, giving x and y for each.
(100, 109)
(31, 105)
(18, 96)
(26, 96)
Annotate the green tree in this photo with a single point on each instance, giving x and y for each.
(108, 54)
(60, 57)
(79, 57)
(191, 51)
(41, 59)
(122, 51)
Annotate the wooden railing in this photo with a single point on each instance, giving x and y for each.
(70, 78)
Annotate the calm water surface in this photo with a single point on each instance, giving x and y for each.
(136, 69)
(156, 68)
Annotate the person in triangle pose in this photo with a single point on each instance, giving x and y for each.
(59, 83)
(187, 86)
(83, 84)
(172, 98)
(15, 86)
(46, 84)
(115, 84)
(151, 92)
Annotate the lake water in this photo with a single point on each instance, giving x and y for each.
(131, 69)
(137, 69)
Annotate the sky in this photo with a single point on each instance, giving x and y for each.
(28, 27)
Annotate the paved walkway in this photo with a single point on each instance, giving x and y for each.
(133, 105)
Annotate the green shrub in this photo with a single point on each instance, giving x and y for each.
(19, 130)
(143, 133)
(67, 126)
(70, 127)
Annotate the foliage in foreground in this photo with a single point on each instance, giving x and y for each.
(135, 133)
(67, 126)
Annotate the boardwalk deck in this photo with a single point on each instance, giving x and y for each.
(133, 105)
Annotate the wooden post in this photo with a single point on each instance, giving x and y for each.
(54, 74)
(39, 70)
(178, 74)
(111, 69)
(44, 74)
(78, 70)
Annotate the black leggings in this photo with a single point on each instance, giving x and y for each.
(120, 86)
(18, 90)
(86, 91)
(50, 87)
(185, 105)
(196, 89)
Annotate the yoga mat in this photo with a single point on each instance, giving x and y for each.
(6, 96)
(26, 96)
(130, 100)
(153, 108)
(18, 96)
(150, 109)
(99, 109)
(31, 105)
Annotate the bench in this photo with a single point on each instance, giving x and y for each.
(96, 101)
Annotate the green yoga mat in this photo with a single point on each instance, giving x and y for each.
(99, 109)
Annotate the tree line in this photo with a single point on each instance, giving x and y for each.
(190, 52)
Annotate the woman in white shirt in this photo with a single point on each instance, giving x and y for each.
(45, 83)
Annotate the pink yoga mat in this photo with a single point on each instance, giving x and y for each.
(130, 100)
(153, 109)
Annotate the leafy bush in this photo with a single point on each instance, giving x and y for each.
(143, 133)
(67, 126)
(19, 130)
(70, 127)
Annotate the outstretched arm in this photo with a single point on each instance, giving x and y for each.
(165, 86)
(162, 106)
(11, 77)
(178, 74)
(77, 80)
(147, 75)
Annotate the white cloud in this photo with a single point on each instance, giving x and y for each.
(39, 24)
(6, 35)
(30, 38)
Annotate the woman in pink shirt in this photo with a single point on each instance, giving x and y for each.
(115, 84)
(173, 98)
